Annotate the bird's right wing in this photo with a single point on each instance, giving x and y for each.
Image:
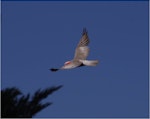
(82, 49)
(54, 69)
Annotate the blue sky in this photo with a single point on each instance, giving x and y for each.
(37, 36)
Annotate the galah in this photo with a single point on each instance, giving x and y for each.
(81, 53)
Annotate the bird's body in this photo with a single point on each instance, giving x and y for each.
(80, 56)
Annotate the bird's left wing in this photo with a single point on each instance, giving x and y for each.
(82, 49)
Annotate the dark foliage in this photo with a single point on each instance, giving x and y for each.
(16, 105)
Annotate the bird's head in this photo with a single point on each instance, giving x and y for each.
(68, 62)
(68, 65)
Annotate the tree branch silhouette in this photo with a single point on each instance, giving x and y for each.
(16, 105)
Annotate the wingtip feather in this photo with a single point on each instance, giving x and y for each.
(84, 31)
(53, 69)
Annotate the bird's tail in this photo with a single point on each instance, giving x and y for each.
(90, 62)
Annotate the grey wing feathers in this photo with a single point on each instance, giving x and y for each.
(82, 49)
(84, 41)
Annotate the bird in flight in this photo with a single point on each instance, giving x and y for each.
(81, 53)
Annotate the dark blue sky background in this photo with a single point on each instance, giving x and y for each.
(37, 36)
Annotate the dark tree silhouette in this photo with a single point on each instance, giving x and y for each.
(16, 105)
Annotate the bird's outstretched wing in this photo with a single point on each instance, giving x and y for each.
(82, 49)
(53, 69)
(84, 41)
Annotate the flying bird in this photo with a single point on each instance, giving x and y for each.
(81, 53)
